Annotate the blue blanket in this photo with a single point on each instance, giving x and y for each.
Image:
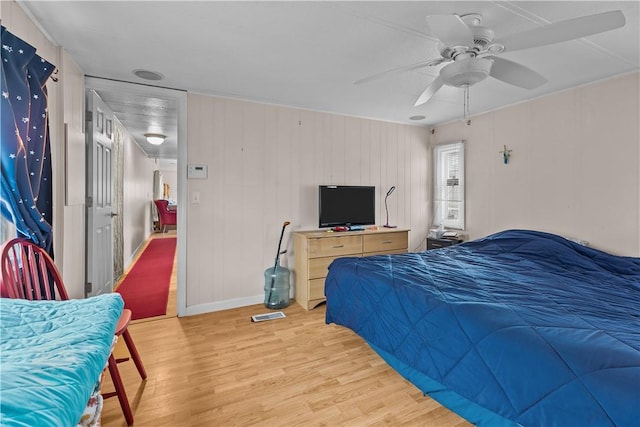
(522, 326)
(52, 353)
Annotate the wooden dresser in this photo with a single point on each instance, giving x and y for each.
(315, 250)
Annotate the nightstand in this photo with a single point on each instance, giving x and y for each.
(433, 243)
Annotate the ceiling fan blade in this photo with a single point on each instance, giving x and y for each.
(429, 91)
(451, 30)
(515, 74)
(563, 31)
(427, 63)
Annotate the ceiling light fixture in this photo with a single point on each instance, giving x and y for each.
(466, 72)
(155, 138)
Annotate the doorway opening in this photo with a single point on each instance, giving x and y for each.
(137, 110)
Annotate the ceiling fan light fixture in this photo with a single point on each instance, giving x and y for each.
(155, 138)
(466, 72)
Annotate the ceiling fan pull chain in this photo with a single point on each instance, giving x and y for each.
(466, 102)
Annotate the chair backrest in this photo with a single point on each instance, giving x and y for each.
(28, 272)
(166, 217)
(161, 205)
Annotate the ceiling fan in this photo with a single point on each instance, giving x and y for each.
(468, 48)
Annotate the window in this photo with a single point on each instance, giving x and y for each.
(448, 185)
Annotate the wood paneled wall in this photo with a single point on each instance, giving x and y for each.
(264, 166)
(574, 168)
(138, 196)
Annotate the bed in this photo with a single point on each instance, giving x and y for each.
(518, 328)
(52, 354)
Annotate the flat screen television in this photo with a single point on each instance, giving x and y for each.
(346, 205)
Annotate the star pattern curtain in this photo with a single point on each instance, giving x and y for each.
(25, 154)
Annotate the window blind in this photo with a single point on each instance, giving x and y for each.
(448, 185)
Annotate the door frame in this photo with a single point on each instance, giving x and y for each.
(180, 97)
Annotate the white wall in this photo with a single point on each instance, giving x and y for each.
(265, 164)
(574, 168)
(137, 198)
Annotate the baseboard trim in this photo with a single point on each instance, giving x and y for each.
(224, 305)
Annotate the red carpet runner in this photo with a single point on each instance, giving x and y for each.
(145, 289)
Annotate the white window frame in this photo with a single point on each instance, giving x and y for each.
(449, 185)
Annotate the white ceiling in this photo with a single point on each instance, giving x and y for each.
(309, 54)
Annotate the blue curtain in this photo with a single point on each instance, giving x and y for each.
(26, 194)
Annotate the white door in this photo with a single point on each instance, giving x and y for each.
(99, 245)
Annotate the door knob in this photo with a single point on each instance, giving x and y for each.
(113, 214)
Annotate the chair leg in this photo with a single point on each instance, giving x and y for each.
(120, 392)
(134, 353)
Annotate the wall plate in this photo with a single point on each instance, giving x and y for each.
(197, 171)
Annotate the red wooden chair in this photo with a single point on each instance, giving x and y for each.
(28, 272)
(165, 216)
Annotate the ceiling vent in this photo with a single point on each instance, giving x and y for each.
(148, 75)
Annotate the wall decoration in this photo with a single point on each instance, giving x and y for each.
(505, 154)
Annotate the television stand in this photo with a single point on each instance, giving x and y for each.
(315, 250)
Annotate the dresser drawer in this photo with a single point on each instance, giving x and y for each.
(393, 252)
(433, 243)
(316, 289)
(319, 267)
(334, 246)
(384, 242)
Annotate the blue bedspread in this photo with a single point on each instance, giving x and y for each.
(524, 326)
(51, 355)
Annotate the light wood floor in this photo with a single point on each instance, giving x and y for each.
(220, 369)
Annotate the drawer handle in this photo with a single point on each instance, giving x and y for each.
(337, 246)
(387, 242)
